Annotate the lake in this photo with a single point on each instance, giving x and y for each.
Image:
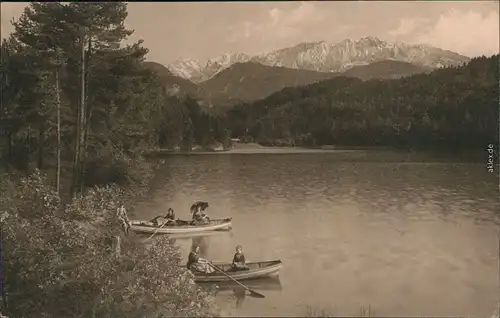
(403, 234)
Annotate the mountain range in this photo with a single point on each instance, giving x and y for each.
(325, 57)
(239, 78)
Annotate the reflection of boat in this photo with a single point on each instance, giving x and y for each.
(265, 283)
(256, 270)
(200, 239)
(198, 234)
(240, 293)
(182, 227)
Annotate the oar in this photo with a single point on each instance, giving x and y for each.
(157, 230)
(252, 292)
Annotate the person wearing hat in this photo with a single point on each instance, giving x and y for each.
(198, 264)
(170, 214)
(239, 259)
(169, 218)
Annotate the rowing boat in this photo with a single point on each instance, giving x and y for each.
(256, 270)
(182, 227)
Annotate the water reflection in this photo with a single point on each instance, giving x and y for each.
(239, 294)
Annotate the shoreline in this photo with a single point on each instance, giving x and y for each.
(237, 148)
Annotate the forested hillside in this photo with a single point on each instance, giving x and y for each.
(251, 81)
(247, 82)
(176, 86)
(453, 107)
(385, 70)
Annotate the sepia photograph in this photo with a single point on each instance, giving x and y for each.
(249, 159)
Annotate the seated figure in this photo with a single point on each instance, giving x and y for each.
(199, 213)
(239, 260)
(169, 219)
(197, 264)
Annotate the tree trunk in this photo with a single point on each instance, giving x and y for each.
(9, 144)
(29, 144)
(8, 160)
(41, 137)
(58, 105)
(87, 127)
(87, 113)
(81, 115)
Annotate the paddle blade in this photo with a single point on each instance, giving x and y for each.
(256, 294)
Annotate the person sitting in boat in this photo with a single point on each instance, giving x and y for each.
(204, 214)
(169, 218)
(197, 264)
(199, 215)
(239, 259)
(170, 214)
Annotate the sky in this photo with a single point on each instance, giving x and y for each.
(204, 30)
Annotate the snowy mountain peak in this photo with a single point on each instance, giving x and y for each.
(186, 68)
(325, 57)
(224, 61)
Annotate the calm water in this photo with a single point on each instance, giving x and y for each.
(405, 235)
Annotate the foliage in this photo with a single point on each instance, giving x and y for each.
(452, 107)
(59, 261)
(128, 107)
(251, 81)
(61, 258)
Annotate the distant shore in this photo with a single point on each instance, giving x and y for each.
(468, 155)
(255, 148)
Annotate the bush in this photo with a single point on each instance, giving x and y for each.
(62, 261)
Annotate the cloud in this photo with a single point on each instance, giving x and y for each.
(466, 32)
(306, 12)
(275, 15)
(303, 18)
(281, 23)
(407, 26)
(469, 33)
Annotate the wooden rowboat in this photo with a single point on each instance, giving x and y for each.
(256, 270)
(182, 227)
